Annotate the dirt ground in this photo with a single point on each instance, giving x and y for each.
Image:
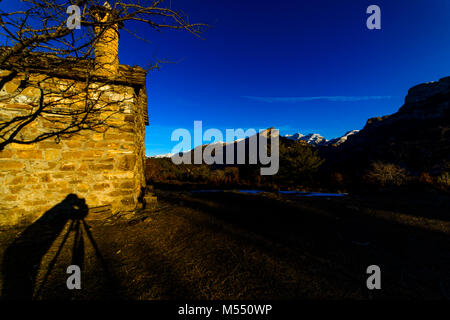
(228, 245)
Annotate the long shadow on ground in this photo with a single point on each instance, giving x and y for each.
(414, 260)
(23, 258)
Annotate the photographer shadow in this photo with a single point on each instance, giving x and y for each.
(22, 259)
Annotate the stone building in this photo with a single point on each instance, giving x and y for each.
(84, 132)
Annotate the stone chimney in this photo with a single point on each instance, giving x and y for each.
(106, 46)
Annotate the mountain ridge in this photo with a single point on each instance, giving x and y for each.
(313, 139)
(316, 139)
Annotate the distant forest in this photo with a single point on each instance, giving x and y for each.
(302, 167)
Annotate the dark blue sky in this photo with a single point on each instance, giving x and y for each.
(293, 49)
(264, 63)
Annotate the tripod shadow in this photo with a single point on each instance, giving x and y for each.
(22, 259)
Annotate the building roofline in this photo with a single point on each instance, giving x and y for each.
(77, 69)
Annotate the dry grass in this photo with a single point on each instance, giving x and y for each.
(235, 246)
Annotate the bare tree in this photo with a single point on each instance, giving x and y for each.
(38, 36)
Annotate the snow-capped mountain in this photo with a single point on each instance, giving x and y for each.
(296, 136)
(167, 155)
(340, 140)
(317, 140)
(170, 155)
(312, 138)
(222, 144)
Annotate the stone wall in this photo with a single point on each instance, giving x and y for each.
(102, 161)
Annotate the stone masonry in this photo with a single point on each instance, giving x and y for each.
(100, 159)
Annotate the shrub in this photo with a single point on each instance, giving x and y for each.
(444, 179)
(425, 178)
(386, 174)
(337, 178)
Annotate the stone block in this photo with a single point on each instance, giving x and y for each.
(6, 154)
(101, 186)
(99, 213)
(29, 154)
(10, 87)
(127, 185)
(71, 155)
(45, 177)
(47, 144)
(19, 146)
(15, 180)
(18, 106)
(73, 144)
(11, 165)
(68, 167)
(101, 167)
(82, 187)
(52, 155)
(127, 201)
(126, 162)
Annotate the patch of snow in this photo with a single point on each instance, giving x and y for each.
(167, 155)
(313, 194)
(297, 193)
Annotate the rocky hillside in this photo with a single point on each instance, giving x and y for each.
(416, 137)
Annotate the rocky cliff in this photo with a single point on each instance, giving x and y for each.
(417, 136)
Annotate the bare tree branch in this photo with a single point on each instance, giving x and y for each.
(38, 41)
